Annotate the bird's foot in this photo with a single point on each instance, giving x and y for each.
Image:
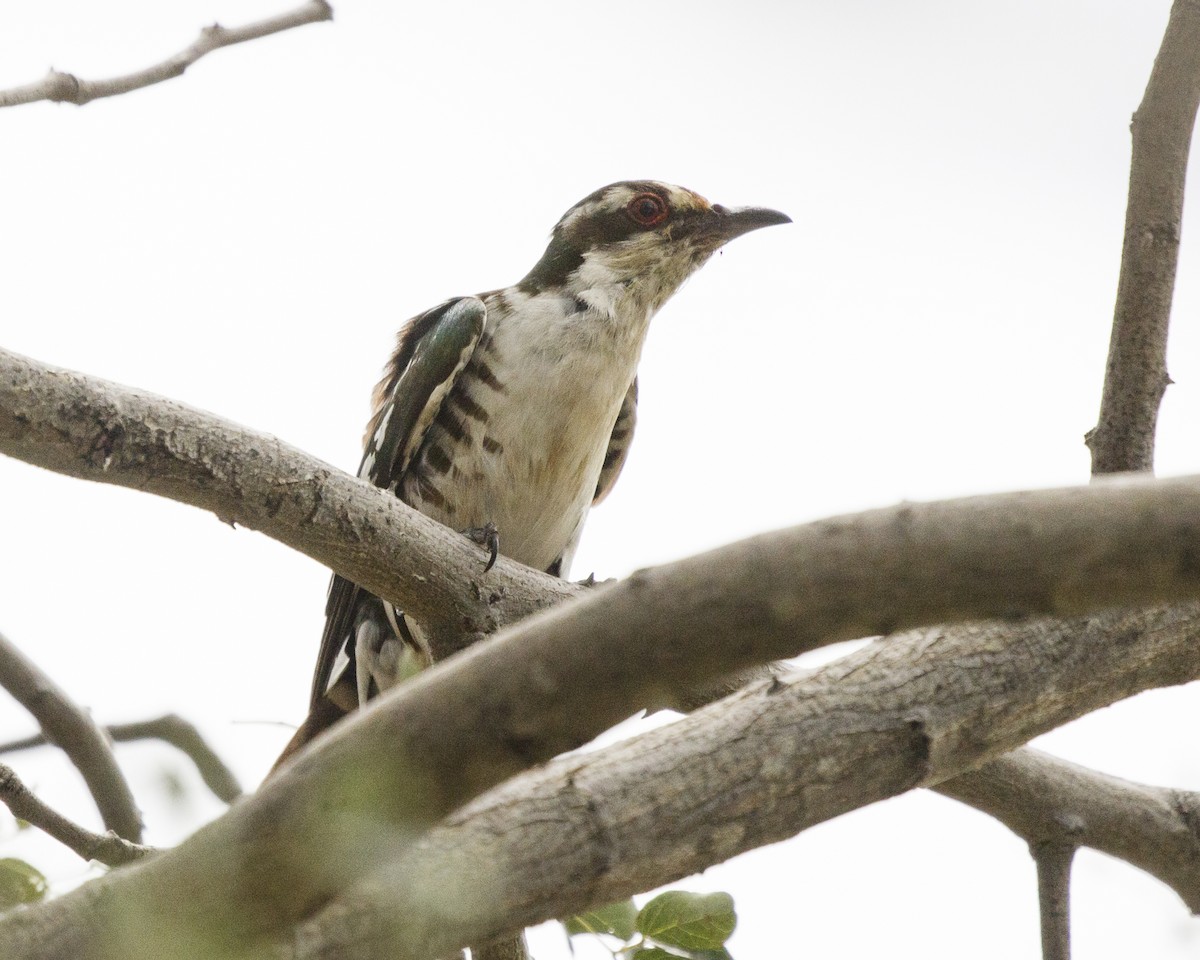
(486, 536)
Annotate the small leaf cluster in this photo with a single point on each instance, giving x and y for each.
(675, 925)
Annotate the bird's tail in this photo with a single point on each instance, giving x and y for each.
(327, 711)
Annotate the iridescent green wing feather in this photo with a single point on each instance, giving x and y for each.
(431, 352)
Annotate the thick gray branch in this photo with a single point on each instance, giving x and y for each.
(1053, 552)
(563, 676)
(66, 88)
(765, 764)
(95, 430)
(1136, 376)
(912, 711)
(71, 728)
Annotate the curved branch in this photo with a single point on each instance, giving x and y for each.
(755, 769)
(95, 430)
(562, 677)
(67, 88)
(185, 738)
(72, 729)
(1053, 552)
(106, 848)
(758, 767)
(1136, 376)
(171, 729)
(1045, 800)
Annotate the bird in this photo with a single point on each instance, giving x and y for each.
(509, 414)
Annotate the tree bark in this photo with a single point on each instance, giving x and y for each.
(914, 710)
(1136, 375)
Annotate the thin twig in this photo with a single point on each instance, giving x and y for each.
(107, 848)
(171, 729)
(72, 728)
(1136, 375)
(184, 737)
(67, 88)
(1054, 893)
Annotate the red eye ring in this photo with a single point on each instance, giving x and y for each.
(648, 209)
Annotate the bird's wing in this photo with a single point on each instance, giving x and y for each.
(618, 444)
(431, 351)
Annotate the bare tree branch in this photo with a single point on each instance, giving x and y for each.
(107, 848)
(841, 578)
(172, 729)
(1136, 377)
(88, 428)
(1136, 374)
(1053, 859)
(184, 737)
(1054, 552)
(1045, 800)
(911, 711)
(757, 768)
(76, 733)
(66, 88)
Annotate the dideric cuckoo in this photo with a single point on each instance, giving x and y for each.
(509, 414)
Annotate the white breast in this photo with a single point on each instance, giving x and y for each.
(531, 468)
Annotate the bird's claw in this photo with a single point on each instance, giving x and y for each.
(486, 536)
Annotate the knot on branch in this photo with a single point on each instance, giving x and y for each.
(62, 87)
(1156, 233)
(110, 435)
(1186, 804)
(921, 745)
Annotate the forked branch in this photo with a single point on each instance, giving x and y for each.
(70, 727)
(106, 848)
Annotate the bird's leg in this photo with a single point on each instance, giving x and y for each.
(486, 536)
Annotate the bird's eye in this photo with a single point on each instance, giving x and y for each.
(648, 209)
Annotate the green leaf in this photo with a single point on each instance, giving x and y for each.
(693, 921)
(616, 919)
(643, 952)
(654, 953)
(20, 883)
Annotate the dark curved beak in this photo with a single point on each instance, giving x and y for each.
(726, 223)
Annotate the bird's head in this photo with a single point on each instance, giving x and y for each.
(640, 234)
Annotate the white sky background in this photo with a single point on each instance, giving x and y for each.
(248, 238)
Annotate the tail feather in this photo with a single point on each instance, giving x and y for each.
(325, 712)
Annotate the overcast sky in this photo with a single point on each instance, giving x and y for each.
(248, 238)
